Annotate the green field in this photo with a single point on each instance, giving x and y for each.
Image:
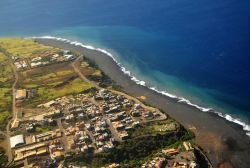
(72, 87)
(6, 80)
(44, 129)
(22, 48)
(155, 127)
(54, 84)
(40, 78)
(6, 75)
(64, 72)
(2, 57)
(50, 91)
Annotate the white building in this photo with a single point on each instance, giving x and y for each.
(16, 140)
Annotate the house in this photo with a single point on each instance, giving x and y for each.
(36, 59)
(193, 164)
(171, 151)
(88, 126)
(18, 65)
(69, 56)
(147, 114)
(48, 104)
(118, 126)
(21, 94)
(69, 117)
(138, 106)
(66, 51)
(35, 64)
(135, 124)
(124, 135)
(57, 155)
(30, 151)
(136, 113)
(16, 140)
(113, 165)
(47, 136)
(187, 146)
(180, 164)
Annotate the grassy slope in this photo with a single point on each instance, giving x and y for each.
(56, 87)
(73, 86)
(22, 48)
(52, 84)
(18, 47)
(49, 85)
(6, 79)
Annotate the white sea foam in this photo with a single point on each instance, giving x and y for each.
(143, 83)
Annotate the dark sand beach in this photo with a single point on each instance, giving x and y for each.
(225, 143)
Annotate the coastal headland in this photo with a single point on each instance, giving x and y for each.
(59, 109)
(225, 143)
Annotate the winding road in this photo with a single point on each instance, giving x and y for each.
(14, 119)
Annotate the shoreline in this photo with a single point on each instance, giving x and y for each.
(224, 142)
(179, 99)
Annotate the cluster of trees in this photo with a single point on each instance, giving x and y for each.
(103, 79)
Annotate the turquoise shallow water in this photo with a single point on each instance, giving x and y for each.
(196, 50)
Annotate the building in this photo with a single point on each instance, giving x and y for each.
(21, 94)
(48, 104)
(46, 136)
(57, 155)
(187, 146)
(16, 140)
(30, 151)
(171, 151)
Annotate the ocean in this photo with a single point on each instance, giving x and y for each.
(196, 51)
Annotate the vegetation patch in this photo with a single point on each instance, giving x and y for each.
(64, 72)
(6, 80)
(72, 86)
(155, 127)
(3, 119)
(23, 48)
(133, 152)
(6, 75)
(44, 129)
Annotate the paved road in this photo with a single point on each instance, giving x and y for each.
(14, 110)
(112, 129)
(64, 138)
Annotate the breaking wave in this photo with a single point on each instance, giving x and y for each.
(143, 83)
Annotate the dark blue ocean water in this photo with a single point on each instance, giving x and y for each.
(199, 50)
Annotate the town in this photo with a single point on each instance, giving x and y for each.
(82, 124)
(60, 114)
(87, 124)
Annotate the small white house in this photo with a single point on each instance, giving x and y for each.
(16, 140)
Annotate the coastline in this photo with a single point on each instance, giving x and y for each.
(223, 141)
